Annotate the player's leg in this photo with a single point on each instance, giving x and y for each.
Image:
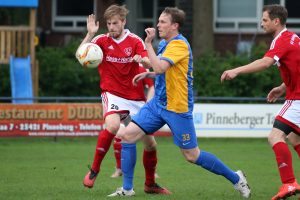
(286, 124)
(117, 153)
(292, 120)
(105, 137)
(114, 109)
(128, 158)
(146, 121)
(150, 162)
(284, 159)
(213, 164)
(185, 138)
(117, 142)
(295, 141)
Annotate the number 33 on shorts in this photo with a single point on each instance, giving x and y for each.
(185, 139)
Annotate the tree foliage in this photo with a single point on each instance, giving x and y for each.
(209, 68)
(60, 74)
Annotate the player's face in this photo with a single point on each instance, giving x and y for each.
(164, 26)
(267, 24)
(115, 26)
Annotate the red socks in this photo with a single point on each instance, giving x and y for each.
(104, 141)
(117, 152)
(284, 162)
(150, 161)
(297, 149)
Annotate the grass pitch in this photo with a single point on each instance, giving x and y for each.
(42, 168)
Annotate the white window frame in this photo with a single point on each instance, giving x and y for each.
(237, 21)
(73, 19)
(133, 20)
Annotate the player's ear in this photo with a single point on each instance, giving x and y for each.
(277, 21)
(124, 22)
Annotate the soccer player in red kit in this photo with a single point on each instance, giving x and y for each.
(285, 53)
(149, 86)
(123, 51)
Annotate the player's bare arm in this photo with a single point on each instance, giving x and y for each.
(144, 61)
(159, 66)
(255, 66)
(142, 76)
(275, 93)
(92, 27)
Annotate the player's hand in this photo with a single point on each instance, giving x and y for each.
(92, 25)
(137, 58)
(275, 93)
(150, 35)
(228, 75)
(139, 77)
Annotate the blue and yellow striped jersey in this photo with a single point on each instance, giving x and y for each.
(174, 88)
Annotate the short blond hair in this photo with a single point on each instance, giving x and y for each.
(114, 10)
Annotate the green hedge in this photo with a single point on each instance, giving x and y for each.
(209, 68)
(62, 75)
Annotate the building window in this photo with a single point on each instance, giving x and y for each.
(144, 14)
(245, 15)
(293, 21)
(71, 17)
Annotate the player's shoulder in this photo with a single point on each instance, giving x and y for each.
(134, 37)
(100, 37)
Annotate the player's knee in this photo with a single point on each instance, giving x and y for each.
(149, 143)
(276, 136)
(190, 157)
(113, 127)
(150, 146)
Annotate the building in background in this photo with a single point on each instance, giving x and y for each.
(221, 25)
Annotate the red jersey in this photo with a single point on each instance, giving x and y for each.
(117, 68)
(285, 50)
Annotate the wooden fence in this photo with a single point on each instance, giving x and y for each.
(18, 41)
(15, 41)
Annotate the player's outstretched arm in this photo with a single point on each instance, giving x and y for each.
(275, 93)
(142, 76)
(255, 66)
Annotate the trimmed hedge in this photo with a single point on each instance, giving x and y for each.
(62, 75)
(209, 68)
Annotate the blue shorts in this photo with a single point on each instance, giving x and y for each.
(151, 118)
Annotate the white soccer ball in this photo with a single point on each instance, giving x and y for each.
(89, 55)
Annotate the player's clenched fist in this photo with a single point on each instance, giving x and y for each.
(150, 34)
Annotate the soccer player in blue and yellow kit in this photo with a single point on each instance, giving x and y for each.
(172, 104)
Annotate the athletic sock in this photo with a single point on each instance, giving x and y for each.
(284, 162)
(117, 152)
(103, 143)
(297, 149)
(150, 162)
(213, 164)
(128, 160)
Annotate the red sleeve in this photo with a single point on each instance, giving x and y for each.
(141, 48)
(277, 50)
(148, 82)
(99, 40)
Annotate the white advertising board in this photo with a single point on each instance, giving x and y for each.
(234, 120)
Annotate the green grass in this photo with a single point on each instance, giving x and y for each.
(41, 168)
